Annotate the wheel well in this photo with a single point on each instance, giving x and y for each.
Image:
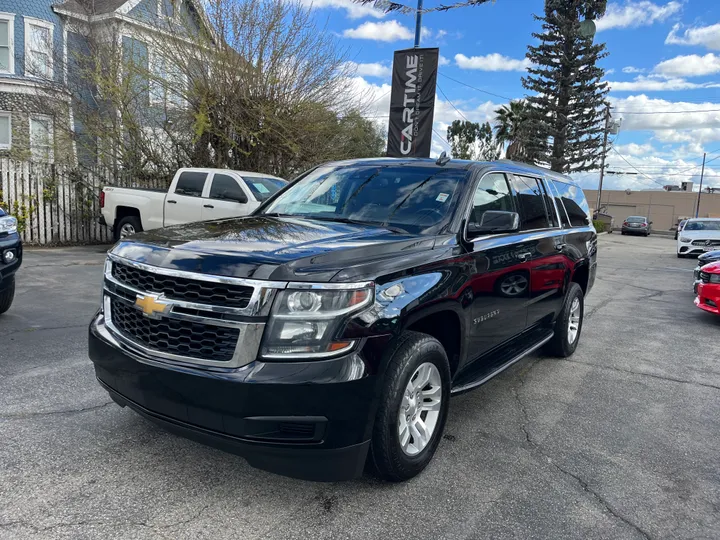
(445, 327)
(125, 211)
(581, 276)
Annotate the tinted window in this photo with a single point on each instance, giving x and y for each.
(191, 183)
(575, 204)
(492, 193)
(225, 187)
(262, 187)
(533, 214)
(549, 206)
(417, 199)
(558, 202)
(635, 219)
(702, 226)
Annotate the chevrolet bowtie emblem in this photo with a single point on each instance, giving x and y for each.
(152, 305)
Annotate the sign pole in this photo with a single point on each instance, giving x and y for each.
(602, 159)
(418, 23)
(702, 173)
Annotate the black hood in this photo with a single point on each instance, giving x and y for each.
(278, 248)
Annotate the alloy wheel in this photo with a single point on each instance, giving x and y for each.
(420, 409)
(574, 320)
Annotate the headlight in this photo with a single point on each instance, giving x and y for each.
(714, 278)
(8, 224)
(685, 239)
(305, 323)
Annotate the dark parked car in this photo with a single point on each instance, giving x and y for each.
(332, 325)
(705, 258)
(679, 228)
(10, 259)
(636, 225)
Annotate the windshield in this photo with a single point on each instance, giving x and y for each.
(416, 199)
(263, 187)
(635, 219)
(702, 226)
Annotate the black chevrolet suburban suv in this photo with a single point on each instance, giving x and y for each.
(328, 330)
(10, 259)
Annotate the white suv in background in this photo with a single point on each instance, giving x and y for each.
(698, 236)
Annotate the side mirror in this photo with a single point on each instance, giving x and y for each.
(649, 222)
(495, 221)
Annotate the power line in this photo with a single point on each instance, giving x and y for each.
(633, 166)
(475, 88)
(667, 112)
(442, 138)
(451, 103)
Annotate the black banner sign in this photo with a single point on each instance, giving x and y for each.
(412, 102)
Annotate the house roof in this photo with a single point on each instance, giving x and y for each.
(90, 7)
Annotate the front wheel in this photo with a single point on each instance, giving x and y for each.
(413, 408)
(7, 296)
(568, 324)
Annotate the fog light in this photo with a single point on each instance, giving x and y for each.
(9, 256)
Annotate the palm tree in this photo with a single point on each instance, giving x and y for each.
(509, 125)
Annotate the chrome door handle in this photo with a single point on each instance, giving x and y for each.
(524, 256)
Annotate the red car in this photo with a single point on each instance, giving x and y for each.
(708, 292)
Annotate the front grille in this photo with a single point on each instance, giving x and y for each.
(174, 336)
(705, 277)
(178, 288)
(706, 242)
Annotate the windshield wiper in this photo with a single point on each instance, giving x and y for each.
(350, 221)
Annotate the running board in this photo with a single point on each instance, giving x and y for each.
(464, 387)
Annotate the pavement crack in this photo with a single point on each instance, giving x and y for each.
(641, 373)
(598, 307)
(53, 413)
(578, 479)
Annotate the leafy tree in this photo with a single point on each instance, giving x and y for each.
(565, 115)
(471, 140)
(511, 128)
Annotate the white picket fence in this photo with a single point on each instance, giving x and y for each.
(57, 204)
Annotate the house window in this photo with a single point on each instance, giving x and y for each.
(41, 138)
(168, 84)
(7, 39)
(38, 48)
(5, 130)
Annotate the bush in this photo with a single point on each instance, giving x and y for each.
(599, 225)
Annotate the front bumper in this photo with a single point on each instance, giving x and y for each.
(708, 297)
(9, 242)
(686, 248)
(309, 420)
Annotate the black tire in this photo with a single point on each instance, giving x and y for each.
(622, 232)
(386, 456)
(6, 296)
(560, 344)
(133, 221)
(681, 255)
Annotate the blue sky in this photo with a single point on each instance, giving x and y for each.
(663, 62)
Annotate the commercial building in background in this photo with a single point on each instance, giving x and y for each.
(663, 208)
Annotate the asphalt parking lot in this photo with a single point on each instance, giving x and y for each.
(620, 441)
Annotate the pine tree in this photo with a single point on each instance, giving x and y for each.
(567, 108)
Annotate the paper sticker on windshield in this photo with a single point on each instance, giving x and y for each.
(261, 188)
(442, 197)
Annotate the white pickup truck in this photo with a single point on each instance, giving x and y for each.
(194, 195)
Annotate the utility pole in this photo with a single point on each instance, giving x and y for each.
(418, 23)
(602, 159)
(702, 173)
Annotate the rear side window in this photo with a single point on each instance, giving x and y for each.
(533, 214)
(226, 188)
(191, 183)
(564, 220)
(492, 193)
(575, 204)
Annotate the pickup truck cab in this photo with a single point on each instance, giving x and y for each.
(10, 259)
(331, 327)
(193, 195)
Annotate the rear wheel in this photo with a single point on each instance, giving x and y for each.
(413, 408)
(6, 296)
(127, 226)
(569, 324)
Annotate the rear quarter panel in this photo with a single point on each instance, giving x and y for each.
(149, 203)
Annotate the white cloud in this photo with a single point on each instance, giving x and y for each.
(660, 114)
(492, 62)
(609, 71)
(381, 31)
(691, 65)
(354, 11)
(443, 61)
(441, 34)
(631, 69)
(654, 84)
(634, 14)
(635, 149)
(374, 69)
(706, 36)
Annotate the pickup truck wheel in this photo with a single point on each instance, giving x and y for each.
(568, 324)
(413, 407)
(7, 296)
(127, 226)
